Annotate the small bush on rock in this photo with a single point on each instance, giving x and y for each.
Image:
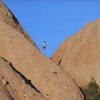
(92, 92)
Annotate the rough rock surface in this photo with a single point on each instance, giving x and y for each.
(48, 78)
(13, 84)
(79, 54)
(4, 94)
(7, 16)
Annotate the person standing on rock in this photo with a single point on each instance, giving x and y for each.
(44, 45)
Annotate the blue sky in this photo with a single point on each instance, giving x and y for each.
(53, 20)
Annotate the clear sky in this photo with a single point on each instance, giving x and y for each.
(53, 20)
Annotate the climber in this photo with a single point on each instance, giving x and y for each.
(44, 45)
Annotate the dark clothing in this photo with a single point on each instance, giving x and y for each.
(44, 47)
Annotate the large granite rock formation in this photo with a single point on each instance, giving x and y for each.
(50, 80)
(79, 54)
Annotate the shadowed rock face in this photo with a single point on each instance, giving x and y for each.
(13, 87)
(7, 16)
(48, 79)
(80, 54)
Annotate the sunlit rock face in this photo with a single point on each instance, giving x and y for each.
(14, 86)
(79, 54)
(7, 16)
